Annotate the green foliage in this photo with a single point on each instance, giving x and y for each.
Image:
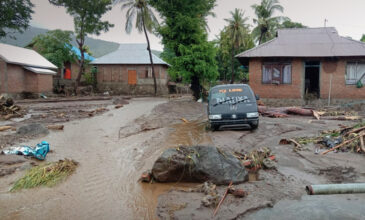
(47, 174)
(87, 20)
(145, 21)
(14, 15)
(266, 23)
(235, 37)
(362, 38)
(138, 9)
(52, 46)
(184, 37)
(290, 24)
(90, 77)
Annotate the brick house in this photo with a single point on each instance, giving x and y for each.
(128, 71)
(24, 70)
(307, 63)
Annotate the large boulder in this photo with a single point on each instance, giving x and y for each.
(199, 164)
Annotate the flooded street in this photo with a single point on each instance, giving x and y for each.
(114, 148)
(105, 184)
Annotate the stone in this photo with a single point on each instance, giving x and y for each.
(199, 164)
(32, 130)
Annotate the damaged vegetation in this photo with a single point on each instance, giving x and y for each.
(47, 174)
(8, 109)
(347, 138)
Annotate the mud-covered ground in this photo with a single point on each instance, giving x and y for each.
(115, 147)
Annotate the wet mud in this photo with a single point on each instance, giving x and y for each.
(115, 147)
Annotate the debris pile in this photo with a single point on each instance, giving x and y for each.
(345, 139)
(8, 109)
(198, 164)
(48, 174)
(257, 158)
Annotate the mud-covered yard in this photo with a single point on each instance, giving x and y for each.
(114, 147)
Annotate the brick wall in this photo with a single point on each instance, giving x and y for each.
(31, 82)
(295, 90)
(339, 88)
(45, 83)
(115, 77)
(16, 78)
(292, 90)
(2, 76)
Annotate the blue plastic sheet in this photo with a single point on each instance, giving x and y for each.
(39, 151)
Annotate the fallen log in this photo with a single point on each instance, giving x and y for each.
(342, 118)
(343, 144)
(5, 128)
(55, 127)
(362, 145)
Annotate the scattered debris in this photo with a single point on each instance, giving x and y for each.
(211, 197)
(55, 127)
(255, 159)
(8, 110)
(239, 193)
(184, 120)
(47, 174)
(39, 151)
(118, 106)
(198, 164)
(146, 177)
(297, 146)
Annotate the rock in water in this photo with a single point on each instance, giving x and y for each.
(33, 129)
(199, 164)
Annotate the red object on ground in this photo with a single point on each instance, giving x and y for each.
(67, 73)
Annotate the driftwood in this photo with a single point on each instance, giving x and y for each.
(4, 128)
(55, 127)
(223, 198)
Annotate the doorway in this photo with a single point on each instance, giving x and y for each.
(311, 85)
(132, 77)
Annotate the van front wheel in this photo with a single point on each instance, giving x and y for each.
(254, 125)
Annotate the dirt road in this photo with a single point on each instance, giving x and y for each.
(113, 149)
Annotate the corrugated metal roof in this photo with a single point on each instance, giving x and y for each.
(40, 70)
(23, 56)
(307, 42)
(129, 54)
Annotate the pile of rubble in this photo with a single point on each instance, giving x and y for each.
(346, 138)
(8, 109)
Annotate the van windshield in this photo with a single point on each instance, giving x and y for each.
(230, 95)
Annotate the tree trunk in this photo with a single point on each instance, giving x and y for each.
(261, 35)
(81, 65)
(232, 66)
(150, 53)
(195, 87)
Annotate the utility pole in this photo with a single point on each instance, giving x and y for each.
(325, 22)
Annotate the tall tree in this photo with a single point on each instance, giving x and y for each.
(87, 20)
(14, 15)
(185, 41)
(145, 20)
(238, 31)
(266, 22)
(53, 46)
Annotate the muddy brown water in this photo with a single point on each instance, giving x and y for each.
(105, 184)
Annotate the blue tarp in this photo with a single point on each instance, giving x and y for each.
(78, 53)
(39, 152)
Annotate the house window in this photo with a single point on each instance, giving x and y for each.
(354, 72)
(148, 72)
(276, 73)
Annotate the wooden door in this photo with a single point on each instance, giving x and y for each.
(132, 77)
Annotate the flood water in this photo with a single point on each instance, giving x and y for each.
(105, 185)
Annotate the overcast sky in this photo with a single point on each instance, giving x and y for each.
(346, 15)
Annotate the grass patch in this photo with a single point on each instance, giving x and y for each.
(47, 174)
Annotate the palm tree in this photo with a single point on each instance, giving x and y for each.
(145, 20)
(266, 23)
(237, 30)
